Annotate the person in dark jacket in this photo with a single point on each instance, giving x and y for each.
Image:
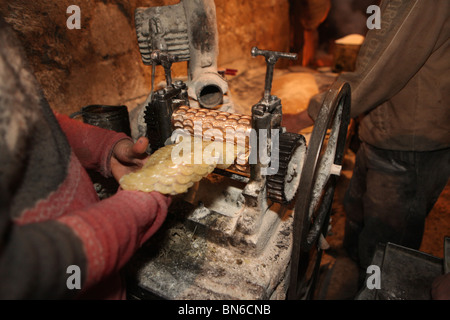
(401, 97)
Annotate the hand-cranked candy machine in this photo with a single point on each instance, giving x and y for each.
(256, 229)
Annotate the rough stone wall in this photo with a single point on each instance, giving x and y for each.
(101, 64)
(244, 24)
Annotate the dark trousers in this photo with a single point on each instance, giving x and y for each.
(389, 197)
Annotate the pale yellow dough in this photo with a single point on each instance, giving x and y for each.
(175, 176)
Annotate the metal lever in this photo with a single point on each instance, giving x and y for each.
(271, 59)
(165, 60)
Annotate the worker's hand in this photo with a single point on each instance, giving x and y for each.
(128, 157)
(440, 289)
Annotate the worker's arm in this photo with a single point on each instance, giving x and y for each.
(35, 255)
(99, 239)
(113, 229)
(108, 152)
(34, 258)
(92, 145)
(392, 55)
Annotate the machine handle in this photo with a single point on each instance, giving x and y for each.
(273, 56)
(165, 60)
(271, 59)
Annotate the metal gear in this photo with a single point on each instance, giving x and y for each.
(282, 187)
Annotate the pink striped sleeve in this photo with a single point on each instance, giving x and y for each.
(92, 145)
(113, 229)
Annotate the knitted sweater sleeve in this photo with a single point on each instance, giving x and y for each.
(113, 229)
(98, 237)
(92, 145)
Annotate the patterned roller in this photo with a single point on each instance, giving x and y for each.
(216, 125)
(174, 169)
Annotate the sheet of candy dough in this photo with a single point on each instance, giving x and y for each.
(169, 172)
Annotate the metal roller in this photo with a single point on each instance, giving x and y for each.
(235, 125)
(216, 126)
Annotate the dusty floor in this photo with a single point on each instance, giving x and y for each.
(338, 278)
